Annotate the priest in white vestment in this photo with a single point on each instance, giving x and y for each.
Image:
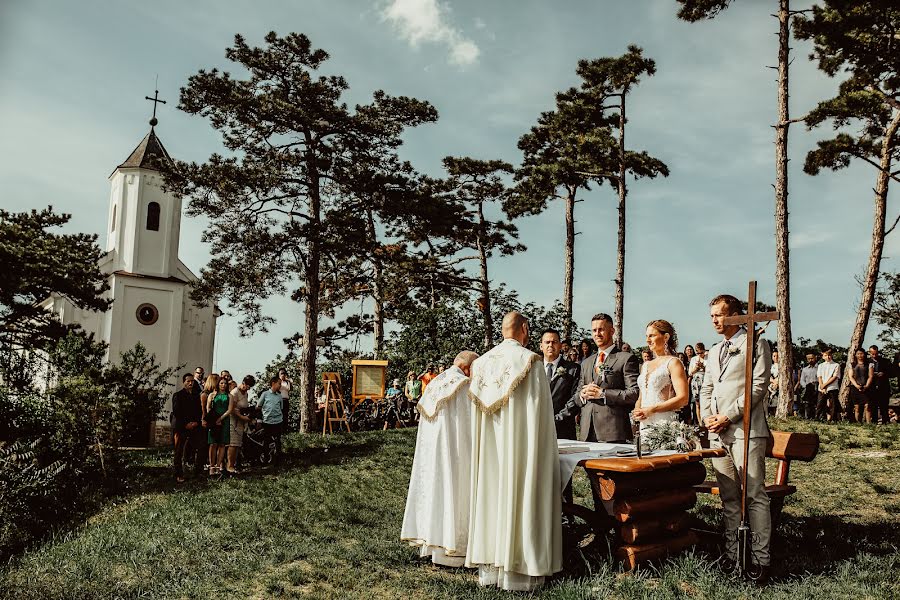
(515, 529)
(437, 505)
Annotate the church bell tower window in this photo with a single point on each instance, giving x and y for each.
(153, 216)
(147, 314)
(113, 228)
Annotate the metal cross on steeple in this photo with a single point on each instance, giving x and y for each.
(155, 100)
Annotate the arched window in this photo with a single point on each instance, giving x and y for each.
(153, 216)
(113, 228)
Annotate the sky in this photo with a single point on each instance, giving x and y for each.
(73, 76)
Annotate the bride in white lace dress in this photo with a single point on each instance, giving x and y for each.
(663, 383)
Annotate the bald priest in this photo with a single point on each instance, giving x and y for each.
(515, 530)
(437, 505)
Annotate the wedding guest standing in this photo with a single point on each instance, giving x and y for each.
(270, 404)
(861, 377)
(238, 414)
(219, 431)
(186, 419)
(696, 369)
(881, 385)
(722, 409)
(808, 386)
(573, 356)
(773, 383)
(662, 383)
(828, 375)
(585, 349)
(563, 377)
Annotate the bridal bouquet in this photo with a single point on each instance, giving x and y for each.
(671, 435)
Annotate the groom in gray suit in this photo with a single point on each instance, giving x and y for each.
(722, 411)
(608, 387)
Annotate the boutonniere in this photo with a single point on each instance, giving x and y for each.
(604, 371)
(734, 349)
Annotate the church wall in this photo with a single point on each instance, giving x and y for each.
(160, 338)
(197, 336)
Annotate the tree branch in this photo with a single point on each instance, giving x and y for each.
(892, 227)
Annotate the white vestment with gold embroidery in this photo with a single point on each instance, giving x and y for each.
(437, 505)
(515, 530)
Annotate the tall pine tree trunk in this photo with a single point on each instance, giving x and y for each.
(620, 247)
(311, 316)
(485, 282)
(873, 269)
(568, 284)
(782, 250)
(377, 289)
(311, 329)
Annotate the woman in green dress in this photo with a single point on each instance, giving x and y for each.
(219, 433)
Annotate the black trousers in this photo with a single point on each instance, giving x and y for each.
(809, 401)
(828, 406)
(879, 402)
(190, 447)
(273, 432)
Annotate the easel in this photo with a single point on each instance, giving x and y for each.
(334, 403)
(749, 321)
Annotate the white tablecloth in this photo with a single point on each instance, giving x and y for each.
(572, 452)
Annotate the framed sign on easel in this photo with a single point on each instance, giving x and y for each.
(369, 379)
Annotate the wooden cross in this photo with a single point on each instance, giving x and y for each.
(155, 100)
(749, 321)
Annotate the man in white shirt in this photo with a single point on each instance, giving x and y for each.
(828, 375)
(808, 386)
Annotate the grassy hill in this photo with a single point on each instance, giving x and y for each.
(325, 524)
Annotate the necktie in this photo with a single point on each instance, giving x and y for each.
(723, 355)
(549, 371)
(601, 358)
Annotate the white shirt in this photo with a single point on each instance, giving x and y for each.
(826, 371)
(555, 364)
(285, 388)
(605, 352)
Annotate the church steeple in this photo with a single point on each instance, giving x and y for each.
(145, 220)
(147, 153)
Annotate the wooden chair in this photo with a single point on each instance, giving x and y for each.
(784, 446)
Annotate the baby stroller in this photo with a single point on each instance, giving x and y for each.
(257, 448)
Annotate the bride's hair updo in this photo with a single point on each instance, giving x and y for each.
(664, 327)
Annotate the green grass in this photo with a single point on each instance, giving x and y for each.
(325, 524)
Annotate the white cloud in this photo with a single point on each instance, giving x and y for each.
(426, 21)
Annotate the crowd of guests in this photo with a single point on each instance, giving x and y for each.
(211, 415)
(816, 382)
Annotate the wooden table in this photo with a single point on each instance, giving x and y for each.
(645, 501)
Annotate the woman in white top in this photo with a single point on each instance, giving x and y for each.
(662, 383)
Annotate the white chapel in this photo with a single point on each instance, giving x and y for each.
(149, 285)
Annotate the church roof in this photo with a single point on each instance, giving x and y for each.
(147, 152)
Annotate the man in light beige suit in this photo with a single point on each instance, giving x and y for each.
(722, 411)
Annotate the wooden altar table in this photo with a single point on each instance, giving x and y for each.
(645, 501)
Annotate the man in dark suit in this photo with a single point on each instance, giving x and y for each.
(563, 377)
(608, 388)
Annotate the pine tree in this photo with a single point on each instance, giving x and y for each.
(579, 143)
(38, 262)
(472, 184)
(275, 203)
(862, 40)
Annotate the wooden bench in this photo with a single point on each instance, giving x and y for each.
(785, 447)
